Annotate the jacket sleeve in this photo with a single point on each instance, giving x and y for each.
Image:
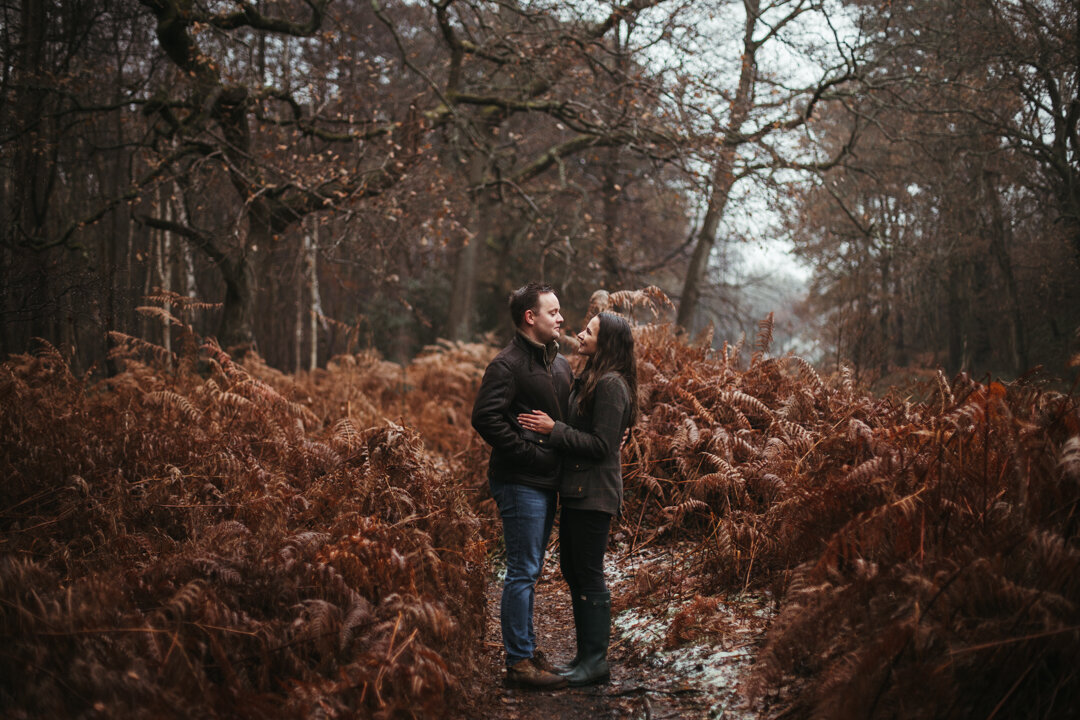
(491, 417)
(604, 437)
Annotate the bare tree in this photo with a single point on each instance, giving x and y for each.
(211, 115)
(512, 106)
(936, 242)
(761, 111)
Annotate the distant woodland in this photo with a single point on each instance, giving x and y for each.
(312, 177)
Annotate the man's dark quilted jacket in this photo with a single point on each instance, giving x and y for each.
(524, 376)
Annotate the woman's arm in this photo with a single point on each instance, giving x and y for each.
(610, 402)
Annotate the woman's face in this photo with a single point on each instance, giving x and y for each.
(587, 337)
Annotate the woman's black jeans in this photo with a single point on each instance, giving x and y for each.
(583, 539)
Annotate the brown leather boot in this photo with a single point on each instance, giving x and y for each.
(525, 673)
(540, 660)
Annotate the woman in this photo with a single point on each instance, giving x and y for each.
(603, 403)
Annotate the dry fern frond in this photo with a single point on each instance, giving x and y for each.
(748, 403)
(182, 301)
(170, 399)
(795, 408)
(726, 481)
(238, 403)
(320, 624)
(158, 313)
(47, 352)
(346, 437)
(677, 513)
(735, 416)
(697, 407)
(1070, 460)
(764, 338)
(741, 446)
(687, 436)
(947, 398)
(186, 599)
(873, 467)
(125, 344)
(733, 353)
(218, 569)
(800, 438)
(651, 298)
(808, 374)
(359, 615)
(965, 416)
(847, 382)
(858, 431)
(320, 454)
(652, 485)
(775, 451)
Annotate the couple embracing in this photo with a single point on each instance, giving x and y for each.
(556, 439)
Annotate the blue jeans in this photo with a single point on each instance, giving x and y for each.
(527, 515)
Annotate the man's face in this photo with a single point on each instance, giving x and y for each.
(545, 323)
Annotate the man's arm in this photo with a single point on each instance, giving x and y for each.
(491, 414)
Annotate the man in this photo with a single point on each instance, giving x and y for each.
(523, 474)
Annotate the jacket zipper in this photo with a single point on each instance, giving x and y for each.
(555, 395)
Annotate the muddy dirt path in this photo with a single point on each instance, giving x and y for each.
(649, 679)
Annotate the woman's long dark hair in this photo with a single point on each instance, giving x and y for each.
(614, 353)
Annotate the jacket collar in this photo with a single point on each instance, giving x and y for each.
(544, 353)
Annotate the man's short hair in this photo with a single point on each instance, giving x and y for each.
(526, 297)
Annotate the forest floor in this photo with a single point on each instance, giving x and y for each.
(662, 665)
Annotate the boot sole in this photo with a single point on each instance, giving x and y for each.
(601, 680)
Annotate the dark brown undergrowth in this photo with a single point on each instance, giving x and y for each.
(924, 556)
(198, 538)
(433, 395)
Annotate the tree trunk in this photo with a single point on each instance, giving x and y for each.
(723, 175)
(723, 181)
(1000, 232)
(148, 282)
(165, 275)
(301, 307)
(188, 286)
(31, 167)
(954, 324)
(314, 304)
(610, 188)
(884, 342)
(237, 330)
(113, 250)
(899, 348)
(980, 344)
(6, 259)
(613, 266)
(463, 285)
